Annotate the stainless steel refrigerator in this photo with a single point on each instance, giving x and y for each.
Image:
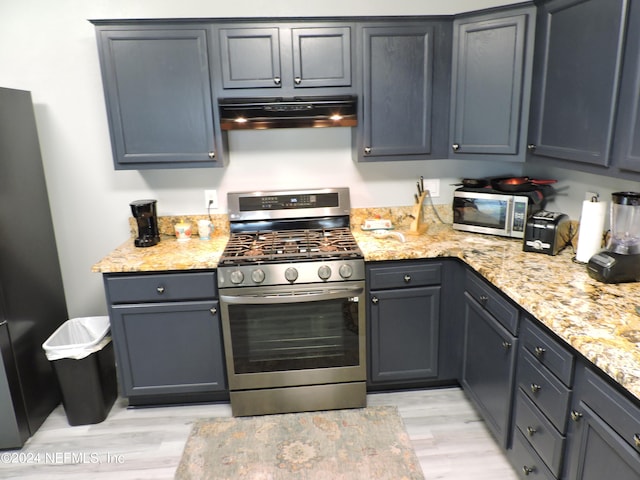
(32, 302)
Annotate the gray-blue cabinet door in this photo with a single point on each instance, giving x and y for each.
(626, 149)
(579, 49)
(597, 451)
(168, 348)
(398, 88)
(491, 84)
(158, 93)
(250, 57)
(404, 334)
(321, 57)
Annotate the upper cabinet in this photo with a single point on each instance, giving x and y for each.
(405, 91)
(579, 57)
(491, 83)
(626, 148)
(157, 87)
(286, 59)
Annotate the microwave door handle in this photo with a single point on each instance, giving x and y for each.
(295, 297)
(509, 216)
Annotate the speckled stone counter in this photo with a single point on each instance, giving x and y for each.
(598, 320)
(170, 253)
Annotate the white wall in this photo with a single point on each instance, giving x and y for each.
(49, 48)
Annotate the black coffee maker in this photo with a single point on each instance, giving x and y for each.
(144, 211)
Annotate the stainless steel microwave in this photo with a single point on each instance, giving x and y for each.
(492, 212)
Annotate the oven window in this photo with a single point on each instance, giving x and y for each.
(480, 211)
(294, 336)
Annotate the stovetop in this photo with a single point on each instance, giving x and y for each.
(296, 245)
(286, 237)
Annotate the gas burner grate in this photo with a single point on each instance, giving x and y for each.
(290, 245)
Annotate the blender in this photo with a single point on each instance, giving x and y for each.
(144, 211)
(620, 261)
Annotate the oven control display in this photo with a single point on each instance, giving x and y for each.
(288, 202)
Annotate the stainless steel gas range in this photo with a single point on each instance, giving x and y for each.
(291, 283)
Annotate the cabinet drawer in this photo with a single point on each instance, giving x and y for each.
(493, 302)
(539, 432)
(526, 461)
(545, 391)
(548, 352)
(404, 276)
(617, 411)
(161, 287)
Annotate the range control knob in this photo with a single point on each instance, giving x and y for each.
(324, 272)
(236, 277)
(346, 271)
(291, 274)
(257, 276)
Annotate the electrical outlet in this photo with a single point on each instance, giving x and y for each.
(589, 195)
(433, 185)
(210, 199)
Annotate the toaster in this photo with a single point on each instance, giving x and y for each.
(546, 232)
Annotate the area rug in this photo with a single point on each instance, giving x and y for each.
(369, 443)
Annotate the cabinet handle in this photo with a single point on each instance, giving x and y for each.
(531, 431)
(506, 345)
(297, 80)
(531, 147)
(483, 300)
(160, 289)
(539, 351)
(575, 415)
(455, 147)
(527, 470)
(212, 155)
(375, 300)
(213, 311)
(535, 388)
(367, 150)
(407, 278)
(276, 80)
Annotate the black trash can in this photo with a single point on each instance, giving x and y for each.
(81, 354)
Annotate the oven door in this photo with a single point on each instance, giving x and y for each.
(294, 335)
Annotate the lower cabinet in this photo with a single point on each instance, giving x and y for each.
(167, 337)
(604, 432)
(488, 366)
(544, 382)
(403, 323)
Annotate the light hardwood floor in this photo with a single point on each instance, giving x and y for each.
(450, 439)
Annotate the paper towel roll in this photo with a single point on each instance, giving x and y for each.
(591, 229)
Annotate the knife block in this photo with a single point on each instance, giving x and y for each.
(418, 227)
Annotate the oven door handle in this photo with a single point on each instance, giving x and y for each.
(291, 297)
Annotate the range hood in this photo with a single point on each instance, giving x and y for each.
(295, 112)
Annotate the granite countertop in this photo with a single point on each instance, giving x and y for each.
(599, 320)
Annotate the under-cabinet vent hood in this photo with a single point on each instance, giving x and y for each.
(296, 112)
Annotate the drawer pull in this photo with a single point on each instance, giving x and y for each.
(213, 311)
(375, 300)
(407, 278)
(531, 431)
(160, 289)
(535, 388)
(527, 470)
(539, 351)
(506, 345)
(636, 440)
(483, 300)
(575, 415)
